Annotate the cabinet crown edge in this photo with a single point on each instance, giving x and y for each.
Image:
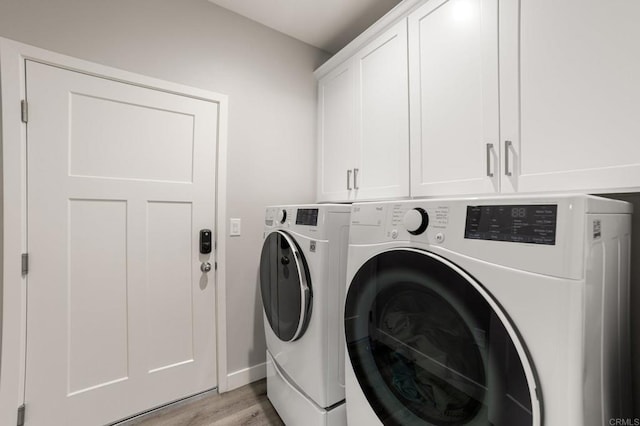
(399, 12)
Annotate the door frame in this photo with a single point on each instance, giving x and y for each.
(13, 211)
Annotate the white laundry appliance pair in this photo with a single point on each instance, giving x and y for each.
(302, 283)
(488, 311)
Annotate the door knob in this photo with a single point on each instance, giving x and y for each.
(205, 267)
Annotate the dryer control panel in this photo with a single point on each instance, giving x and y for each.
(391, 221)
(516, 223)
(541, 234)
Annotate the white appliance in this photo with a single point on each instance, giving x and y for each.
(302, 283)
(488, 311)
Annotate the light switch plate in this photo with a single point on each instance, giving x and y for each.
(234, 227)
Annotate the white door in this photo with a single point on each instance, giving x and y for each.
(383, 119)
(453, 75)
(336, 134)
(572, 73)
(120, 318)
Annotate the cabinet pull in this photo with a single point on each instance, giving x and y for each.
(489, 149)
(349, 180)
(355, 178)
(507, 167)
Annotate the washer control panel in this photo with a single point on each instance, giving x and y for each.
(416, 220)
(282, 216)
(278, 217)
(422, 220)
(400, 221)
(516, 223)
(307, 218)
(541, 234)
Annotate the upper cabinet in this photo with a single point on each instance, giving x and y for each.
(363, 131)
(570, 94)
(530, 96)
(453, 57)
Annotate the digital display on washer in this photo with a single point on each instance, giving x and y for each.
(514, 223)
(307, 217)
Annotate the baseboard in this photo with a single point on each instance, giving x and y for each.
(245, 376)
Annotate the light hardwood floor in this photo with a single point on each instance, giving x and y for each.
(247, 405)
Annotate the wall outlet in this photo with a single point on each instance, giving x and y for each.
(234, 227)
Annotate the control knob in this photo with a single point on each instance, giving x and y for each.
(416, 221)
(282, 216)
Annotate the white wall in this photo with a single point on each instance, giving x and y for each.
(272, 100)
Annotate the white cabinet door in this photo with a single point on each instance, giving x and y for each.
(363, 142)
(336, 134)
(579, 93)
(382, 169)
(453, 65)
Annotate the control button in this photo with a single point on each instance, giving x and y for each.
(416, 221)
(439, 237)
(282, 215)
(394, 234)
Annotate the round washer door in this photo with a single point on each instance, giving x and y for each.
(285, 286)
(430, 346)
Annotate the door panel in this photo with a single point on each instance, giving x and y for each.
(579, 95)
(120, 181)
(453, 47)
(111, 138)
(97, 294)
(170, 249)
(383, 99)
(336, 134)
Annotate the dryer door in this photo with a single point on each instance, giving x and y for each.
(429, 346)
(285, 286)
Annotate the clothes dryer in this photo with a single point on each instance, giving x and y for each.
(302, 283)
(488, 311)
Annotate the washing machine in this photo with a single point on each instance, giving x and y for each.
(302, 284)
(488, 311)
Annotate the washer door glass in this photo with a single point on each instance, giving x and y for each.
(429, 346)
(285, 286)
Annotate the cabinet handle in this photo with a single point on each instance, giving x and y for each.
(507, 167)
(489, 149)
(349, 180)
(355, 178)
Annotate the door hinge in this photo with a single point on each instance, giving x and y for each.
(24, 111)
(20, 415)
(25, 263)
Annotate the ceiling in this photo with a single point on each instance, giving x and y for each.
(326, 24)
